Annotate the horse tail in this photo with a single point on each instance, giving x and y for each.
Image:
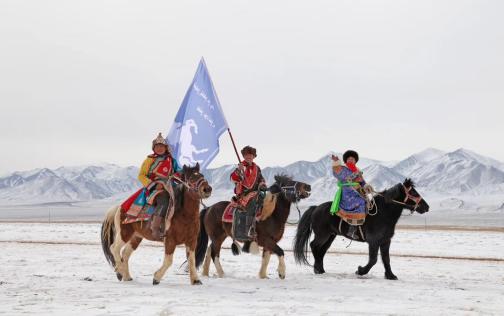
(202, 244)
(108, 231)
(302, 238)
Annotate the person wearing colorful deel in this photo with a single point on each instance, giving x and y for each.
(249, 182)
(348, 203)
(156, 177)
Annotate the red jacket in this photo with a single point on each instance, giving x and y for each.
(249, 181)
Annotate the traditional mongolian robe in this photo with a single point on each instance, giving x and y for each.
(348, 202)
(247, 184)
(249, 181)
(155, 170)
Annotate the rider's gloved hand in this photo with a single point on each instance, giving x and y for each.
(263, 187)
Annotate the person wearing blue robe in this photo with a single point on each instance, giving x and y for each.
(348, 203)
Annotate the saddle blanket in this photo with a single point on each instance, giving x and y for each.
(227, 217)
(136, 208)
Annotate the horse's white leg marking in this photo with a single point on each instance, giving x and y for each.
(218, 267)
(193, 273)
(116, 251)
(128, 250)
(281, 267)
(263, 273)
(118, 243)
(206, 264)
(167, 262)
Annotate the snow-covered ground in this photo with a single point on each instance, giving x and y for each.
(49, 269)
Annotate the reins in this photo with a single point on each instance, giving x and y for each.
(416, 199)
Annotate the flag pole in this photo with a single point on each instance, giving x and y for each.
(234, 145)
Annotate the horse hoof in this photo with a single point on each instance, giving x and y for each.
(318, 271)
(360, 271)
(155, 282)
(119, 276)
(390, 276)
(197, 282)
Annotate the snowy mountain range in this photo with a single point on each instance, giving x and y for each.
(457, 173)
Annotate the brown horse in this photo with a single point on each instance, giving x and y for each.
(283, 193)
(183, 230)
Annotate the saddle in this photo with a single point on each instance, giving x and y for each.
(243, 215)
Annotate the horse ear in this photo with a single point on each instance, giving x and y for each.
(184, 169)
(391, 194)
(197, 166)
(408, 183)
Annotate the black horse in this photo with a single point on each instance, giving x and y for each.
(377, 230)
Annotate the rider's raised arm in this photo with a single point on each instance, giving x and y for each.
(236, 176)
(337, 168)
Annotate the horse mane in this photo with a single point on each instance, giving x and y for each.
(179, 192)
(392, 193)
(282, 178)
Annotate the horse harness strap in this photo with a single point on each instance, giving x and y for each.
(416, 199)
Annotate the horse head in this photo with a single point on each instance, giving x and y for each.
(406, 194)
(197, 184)
(294, 191)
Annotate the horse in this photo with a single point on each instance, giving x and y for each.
(183, 230)
(269, 228)
(378, 228)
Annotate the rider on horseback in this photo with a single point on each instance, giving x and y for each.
(349, 202)
(155, 175)
(248, 181)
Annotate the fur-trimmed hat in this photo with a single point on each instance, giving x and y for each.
(249, 150)
(350, 153)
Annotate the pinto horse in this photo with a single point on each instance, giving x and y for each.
(183, 230)
(378, 228)
(284, 192)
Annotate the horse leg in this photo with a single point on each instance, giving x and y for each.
(131, 246)
(281, 261)
(115, 249)
(322, 250)
(191, 258)
(167, 262)
(319, 247)
(206, 264)
(384, 251)
(215, 253)
(263, 273)
(373, 258)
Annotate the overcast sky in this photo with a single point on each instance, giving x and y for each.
(94, 81)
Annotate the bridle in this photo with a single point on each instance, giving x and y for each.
(193, 186)
(290, 192)
(409, 196)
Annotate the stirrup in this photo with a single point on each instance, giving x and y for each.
(351, 233)
(252, 234)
